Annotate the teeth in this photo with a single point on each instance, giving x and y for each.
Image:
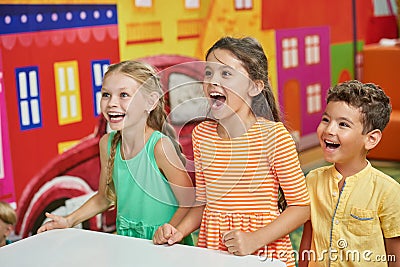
(115, 114)
(331, 143)
(215, 94)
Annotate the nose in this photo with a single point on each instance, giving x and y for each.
(330, 128)
(212, 83)
(112, 101)
(214, 80)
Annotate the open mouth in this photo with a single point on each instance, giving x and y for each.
(331, 145)
(116, 116)
(217, 99)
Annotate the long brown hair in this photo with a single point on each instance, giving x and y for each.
(147, 76)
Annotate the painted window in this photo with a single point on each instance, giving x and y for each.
(189, 29)
(384, 8)
(313, 98)
(30, 115)
(143, 3)
(312, 49)
(64, 146)
(68, 92)
(192, 4)
(99, 67)
(243, 4)
(290, 53)
(143, 32)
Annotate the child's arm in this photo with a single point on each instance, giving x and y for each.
(170, 164)
(244, 243)
(305, 244)
(171, 235)
(96, 204)
(393, 251)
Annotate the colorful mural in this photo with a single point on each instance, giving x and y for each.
(53, 55)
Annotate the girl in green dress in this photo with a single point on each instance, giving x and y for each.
(142, 168)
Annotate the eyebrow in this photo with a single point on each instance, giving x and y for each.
(223, 65)
(120, 89)
(340, 118)
(346, 119)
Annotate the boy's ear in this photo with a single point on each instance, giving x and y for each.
(256, 88)
(373, 139)
(152, 101)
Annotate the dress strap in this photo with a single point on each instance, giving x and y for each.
(150, 145)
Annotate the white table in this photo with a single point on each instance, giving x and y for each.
(75, 248)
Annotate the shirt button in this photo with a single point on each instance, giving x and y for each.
(334, 194)
(336, 221)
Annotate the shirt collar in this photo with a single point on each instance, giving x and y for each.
(351, 179)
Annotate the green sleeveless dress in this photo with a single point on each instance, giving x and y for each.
(145, 199)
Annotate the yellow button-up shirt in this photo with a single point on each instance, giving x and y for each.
(349, 226)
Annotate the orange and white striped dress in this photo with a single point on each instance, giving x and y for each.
(239, 178)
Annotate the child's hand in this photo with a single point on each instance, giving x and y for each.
(239, 243)
(57, 222)
(167, 234)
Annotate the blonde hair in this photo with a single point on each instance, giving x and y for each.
(147, 76)
(7, 213)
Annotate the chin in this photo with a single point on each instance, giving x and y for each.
(329, 159)
(115, 127)
(217, 115)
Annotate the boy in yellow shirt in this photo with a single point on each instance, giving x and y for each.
(355, 208)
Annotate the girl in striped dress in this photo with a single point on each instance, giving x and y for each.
(243, 156)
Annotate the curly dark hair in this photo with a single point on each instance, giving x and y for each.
(372, 101)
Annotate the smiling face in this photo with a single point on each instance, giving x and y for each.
(227, 85)
(340, 135)
(119, 92)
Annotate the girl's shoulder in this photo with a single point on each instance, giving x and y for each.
(269, 125)
(106, 138)
(156, 139)
(156, 135)
(105, 143)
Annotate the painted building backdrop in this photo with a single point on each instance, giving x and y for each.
(53, 55)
